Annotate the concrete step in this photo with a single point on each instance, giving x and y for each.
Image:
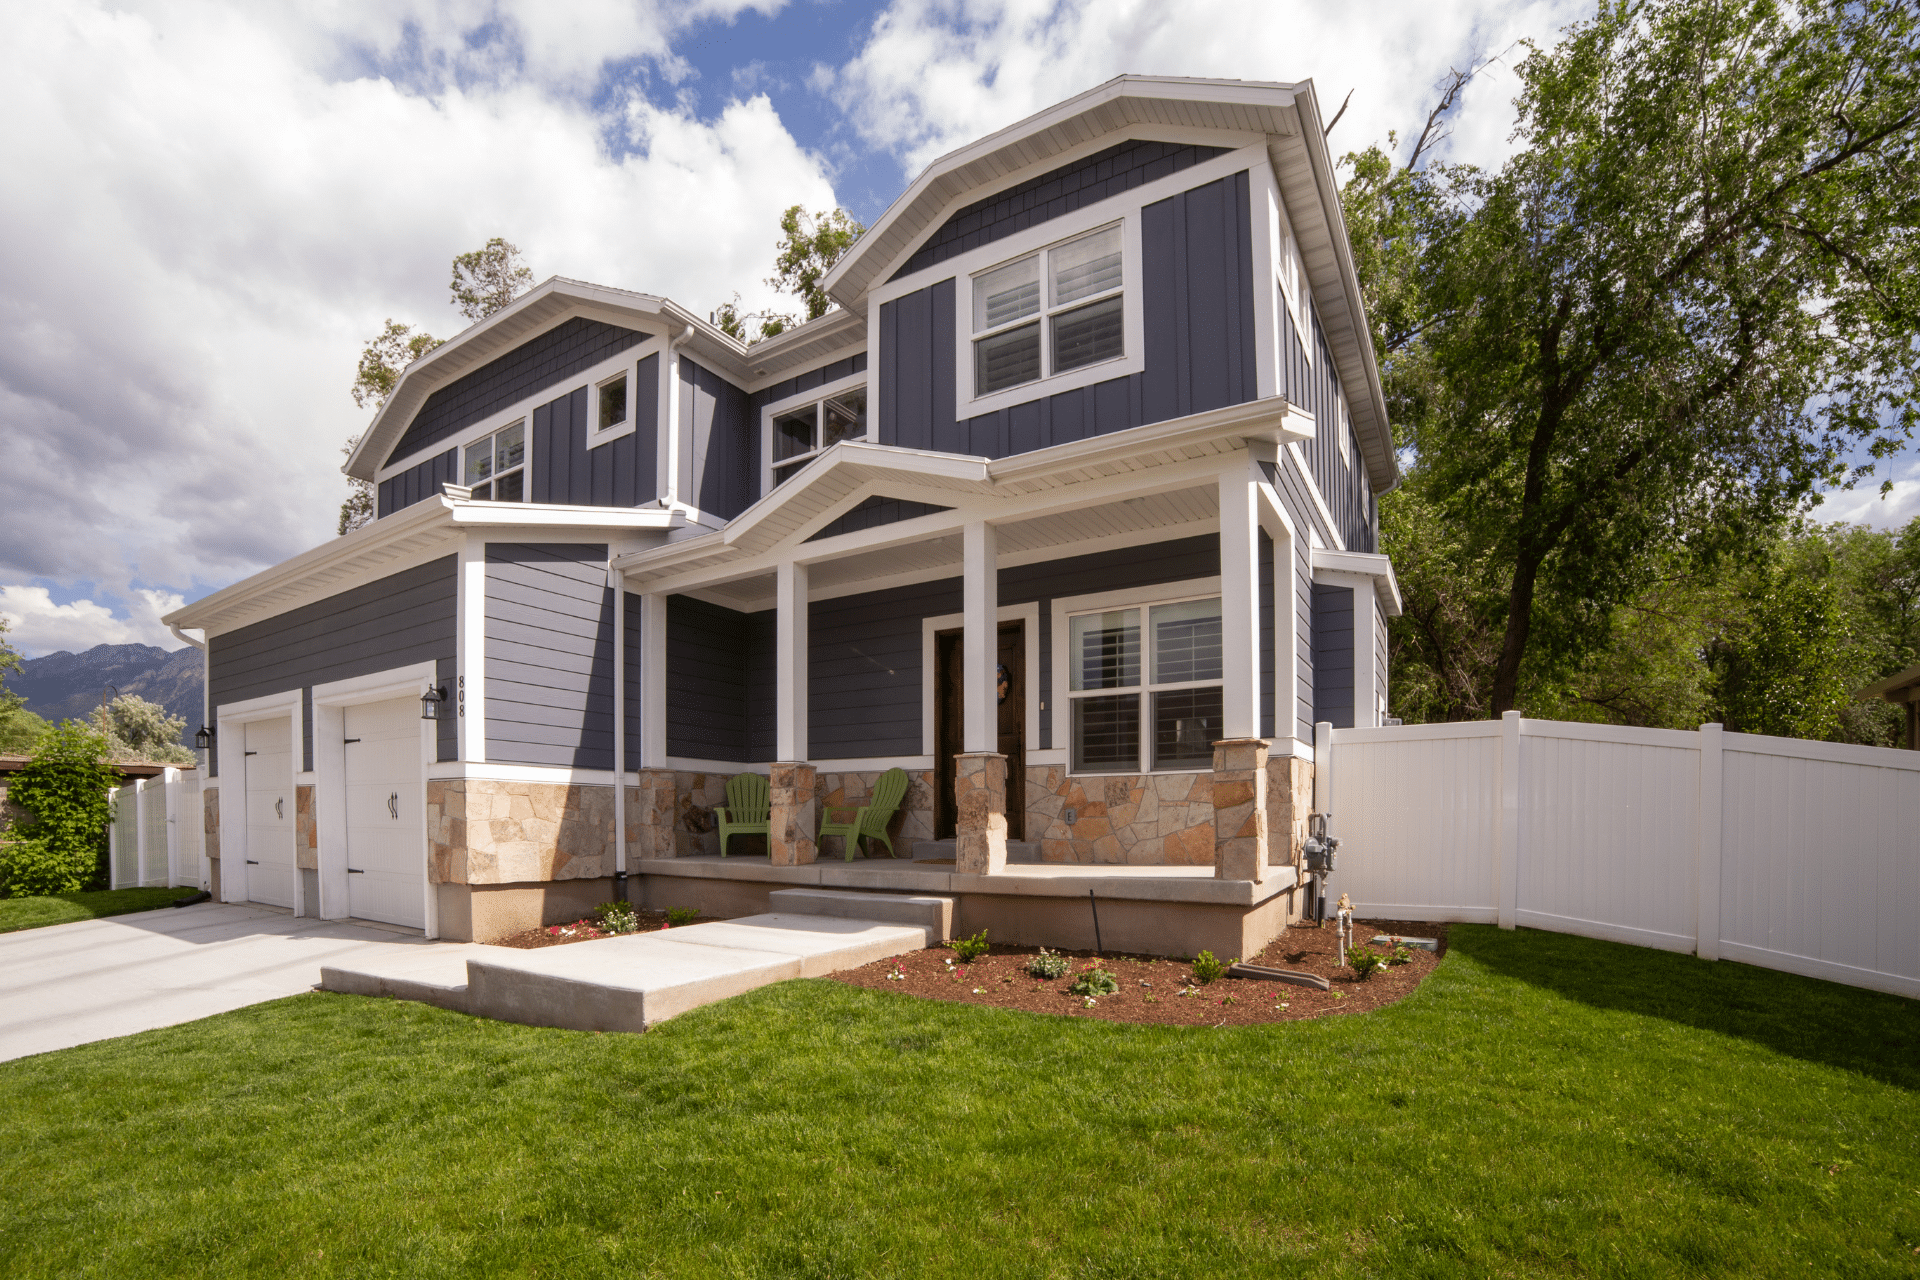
(630, 983)
(929, 911)
(1024, 851)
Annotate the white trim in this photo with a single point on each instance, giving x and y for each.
(469, 692)
(692, 764)
(557, 775)
(1374, 566)
(824, 391)
(1029, 615)
(330, 702)
(1299, 457)
(630, 370)
(653, 679)
(1123, 598)
(230, 720)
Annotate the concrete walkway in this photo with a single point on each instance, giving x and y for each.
(70, 984)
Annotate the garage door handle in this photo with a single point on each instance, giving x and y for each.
(393, 805)
(280, 808)
(253, 862)
(356, 871)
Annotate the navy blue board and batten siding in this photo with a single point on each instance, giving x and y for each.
(619, 473)
(1197, 302)
(722, 438)
(720, 677)
(549, 655)
(1315, 386)
(395, 621)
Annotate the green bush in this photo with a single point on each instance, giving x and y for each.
(64, 792)
(677, 916)
(1047, 965)
(1365, 960)
(1207, 969)
(970, 949)
(1095, 982)
(618, 917)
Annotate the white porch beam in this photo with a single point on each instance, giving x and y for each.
(980, 593)
(1240, 598)
(790, 661)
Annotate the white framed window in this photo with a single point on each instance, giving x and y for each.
(1144, 686)
(1051, 312)
(610, 404)
(495, 465)
(799, 429)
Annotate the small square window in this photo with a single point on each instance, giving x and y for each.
(799, 434)
(496, 465)
(613, 402)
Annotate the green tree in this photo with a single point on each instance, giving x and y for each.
(140, 730)
(1782, 669)
(63, 790)
(1655, 329)
(484, 281)
(808, 247)
(9, 661)
(20, 731)
(489, 278)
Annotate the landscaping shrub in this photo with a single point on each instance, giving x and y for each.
(1094, 982)
(677, 916)
(1047, 965)
(970, 949)
(1365, 960)
(1207, 969)
(618, 917)
(62, 846)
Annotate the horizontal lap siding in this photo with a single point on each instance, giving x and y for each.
(1333, 624)
(527, 370)
(549, 638)
(418, 483)
(395, 621)
(1054, 194)
(1196, 293)
(811, 380)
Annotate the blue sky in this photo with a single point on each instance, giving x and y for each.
(220, 202)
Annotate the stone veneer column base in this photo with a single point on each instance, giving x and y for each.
(1240, 809)
(980, 805)
(650, 814)
(793, 795)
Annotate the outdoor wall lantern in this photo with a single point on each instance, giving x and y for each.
(430, 702)
(203, 738)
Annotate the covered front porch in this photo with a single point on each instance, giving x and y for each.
(1083, 656)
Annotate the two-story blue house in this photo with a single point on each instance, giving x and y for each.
(1070, 509)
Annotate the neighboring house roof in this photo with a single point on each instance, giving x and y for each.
(1289, 117)
(557, 300)
(1902, 686)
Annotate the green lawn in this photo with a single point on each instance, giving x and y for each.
(64, 908)
(1545, 1105)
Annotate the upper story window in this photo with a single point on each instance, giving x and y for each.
(804, 430)
(1146, 697)
(496, 464)
(612, 408)
(1021, 336)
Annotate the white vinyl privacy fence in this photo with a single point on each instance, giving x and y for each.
(158, 833)
(1799, 856)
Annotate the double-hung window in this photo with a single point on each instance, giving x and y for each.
(1019, 336)
(496, 464)
(800, 433)
(1145, 687)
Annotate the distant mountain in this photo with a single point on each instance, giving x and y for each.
(69, 686)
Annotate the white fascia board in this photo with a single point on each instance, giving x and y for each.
(861, 458)
(845, 284)
(1367, 564)
(543, 515)
(1272, 419)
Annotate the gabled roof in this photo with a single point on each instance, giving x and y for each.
(1287, 114)
(557, 300)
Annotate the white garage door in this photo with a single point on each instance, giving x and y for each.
(270, 874)
(386, 831)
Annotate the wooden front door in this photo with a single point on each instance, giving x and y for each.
(948, 719)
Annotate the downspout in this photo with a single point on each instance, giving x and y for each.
(617, 579)
(670, 494)
(206, 679)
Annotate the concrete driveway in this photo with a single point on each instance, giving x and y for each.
(70, 984)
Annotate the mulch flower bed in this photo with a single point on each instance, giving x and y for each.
(1161, 990)
(559, 935)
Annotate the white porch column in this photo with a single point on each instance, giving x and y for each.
(790, 663)
(1240, 600)
(981, 641)
(653, 681)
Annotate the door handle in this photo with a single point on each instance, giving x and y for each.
(393, 805)
(356, 871)
(253, 862)
(280, 807)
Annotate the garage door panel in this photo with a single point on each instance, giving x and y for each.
(270, 812)
(386, 831)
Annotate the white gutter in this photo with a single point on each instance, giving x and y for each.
(618, 581)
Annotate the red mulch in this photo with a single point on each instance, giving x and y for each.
(559, 935)
(1163, 991)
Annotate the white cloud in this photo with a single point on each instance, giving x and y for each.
(1864, 505)
(36, 625)
(204, 219)
(936, 74)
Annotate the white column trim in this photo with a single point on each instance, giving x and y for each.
(790, 662)
(980, 642)
(469, 694)
(653, 681)
(1240, 600)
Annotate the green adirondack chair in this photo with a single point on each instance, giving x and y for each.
(872, 819)
(745, 812)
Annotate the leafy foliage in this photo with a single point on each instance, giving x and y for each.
(618, 917)
(809, 246)
(63, 790)
(970, 949)
(678, 916)
(1634, 350)
(1364, 961)
(1047, 966)
(1781, 670)
(9, 661)
(140, 730)
(1206, 968)
(489, 278)
(20, 731)
(1094, 982)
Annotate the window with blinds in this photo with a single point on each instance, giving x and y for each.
(1050, 312)
(1145, 687)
